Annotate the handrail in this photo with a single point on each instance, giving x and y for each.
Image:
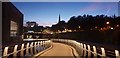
(82, 49)
(30, 48)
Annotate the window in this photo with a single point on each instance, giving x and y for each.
(13, 29)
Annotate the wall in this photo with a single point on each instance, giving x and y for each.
(10, 12)
(107, 37)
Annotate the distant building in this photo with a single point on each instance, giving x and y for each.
(31, 24)
(12, 23)
(59, 26)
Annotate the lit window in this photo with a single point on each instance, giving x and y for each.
(13, 29)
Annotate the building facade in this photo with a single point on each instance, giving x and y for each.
(12, 23)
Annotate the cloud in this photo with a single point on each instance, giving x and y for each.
(108, 11)
(86, 10)
(46, 23)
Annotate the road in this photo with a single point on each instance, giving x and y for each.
(59, 50)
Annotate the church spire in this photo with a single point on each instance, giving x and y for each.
(59, 17)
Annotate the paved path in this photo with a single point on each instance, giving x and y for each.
(59, 50)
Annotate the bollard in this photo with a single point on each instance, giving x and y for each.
(31, 48)
(22, 50)
(35, 48)
(95, 52)
(5, 52)
(15, 51)
(117, 54)
(84, 50)
(27, 49)
(89, 53)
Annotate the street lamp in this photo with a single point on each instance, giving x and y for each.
(107, 22)
(117, 25)
(78, 26)
(111, 28)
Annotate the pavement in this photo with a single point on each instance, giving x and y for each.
(59, 50)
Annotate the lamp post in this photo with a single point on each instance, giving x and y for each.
(108, 25)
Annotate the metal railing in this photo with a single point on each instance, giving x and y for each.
(27, 50)
(30, 49)
(85, 50)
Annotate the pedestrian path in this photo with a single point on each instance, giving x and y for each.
(59, 50)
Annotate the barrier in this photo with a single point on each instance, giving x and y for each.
(26, 50)
(85, 50)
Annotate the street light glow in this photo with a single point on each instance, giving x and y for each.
(107, 22)
(111, 28)
(78, 26)
(117, 25)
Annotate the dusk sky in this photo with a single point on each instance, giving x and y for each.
(47, 13)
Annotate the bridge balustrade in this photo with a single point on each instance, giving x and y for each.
(26, 50)
(85, 50)
(30, 49)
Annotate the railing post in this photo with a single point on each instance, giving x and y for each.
(81, 54)
(31, 48)
(15, 51)
(38, 46)
(117, 54)
(89, 51)
(27, 49)
(5, 52)
(22, 50)
(95, 52)
(84, 50)
(44, 44)
(103, 52)
(35, 48)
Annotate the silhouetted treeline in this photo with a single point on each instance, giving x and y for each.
(87, 22)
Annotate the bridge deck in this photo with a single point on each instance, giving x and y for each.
(59, 50)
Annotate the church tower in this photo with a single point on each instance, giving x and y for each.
(59, 18)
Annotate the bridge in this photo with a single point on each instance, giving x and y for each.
(55, 48)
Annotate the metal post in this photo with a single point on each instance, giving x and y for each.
(35, 48)
(27, 49)
(5, 52)
(81, 54)
(89, 51)
(103, 53)
(38, 46)
(15, 51)
(95, 52)
(22, 50)
(84, 50)
(31, 48)
(117, 54)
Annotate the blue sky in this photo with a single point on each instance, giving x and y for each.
(47, 13)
